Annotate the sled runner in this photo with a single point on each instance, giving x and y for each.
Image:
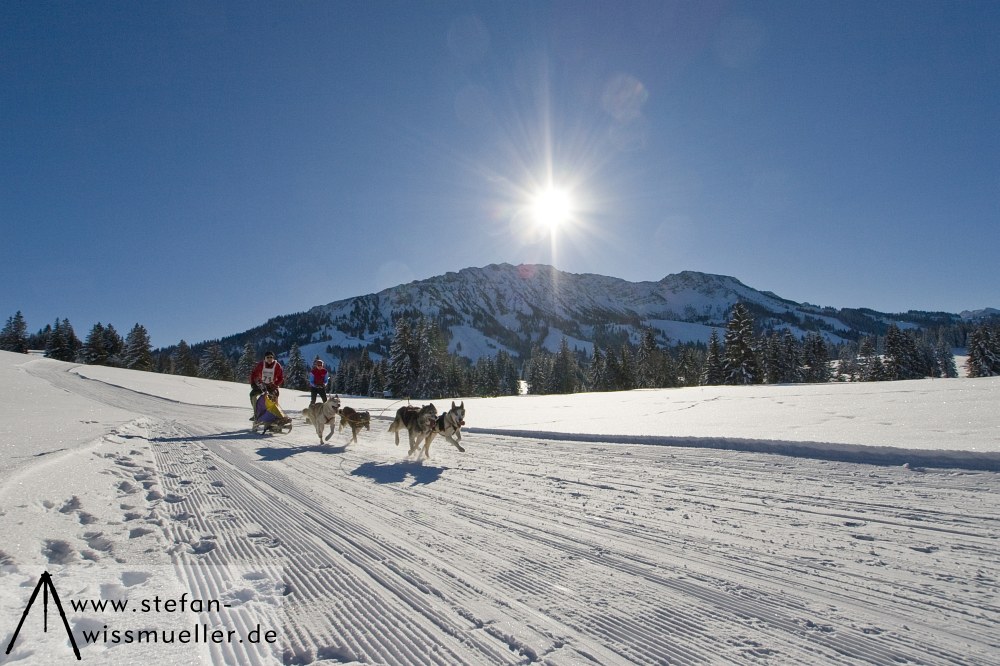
(269, 417)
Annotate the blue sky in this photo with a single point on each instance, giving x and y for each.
(201, 167)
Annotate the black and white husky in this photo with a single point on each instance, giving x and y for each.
(448, 425)
(419, 423)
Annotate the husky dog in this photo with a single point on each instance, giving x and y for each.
(419, 422)
(357, 420)
(448, 425)
(323, 414)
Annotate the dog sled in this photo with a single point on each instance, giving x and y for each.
(269, 417)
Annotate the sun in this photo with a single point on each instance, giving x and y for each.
(552, 208)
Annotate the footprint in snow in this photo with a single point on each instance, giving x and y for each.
(57, 551)
(203, 546)
(133, 578)
(70, 505)
(262, 539)
(86, 518)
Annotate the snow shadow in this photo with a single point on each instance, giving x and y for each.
(398, 472)
(885, 456)
(273, 453)
(229, 435)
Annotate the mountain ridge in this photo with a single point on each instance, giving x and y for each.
(483, 310)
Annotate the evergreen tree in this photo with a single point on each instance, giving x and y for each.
(296, 372)
(114, 345)
(984, 353)
(246, 362)
(740, 359)
(713, 372)
(338, 382)
(431, 350)
(597, 379)
(363, 376)
(872, 369)
(350, 373)
(58, 344)
(376, 384)
(506, 373)
(816, 359)
(770, 348)
(94, 351)
(848, 367)
(612, 370)
(780, 358)
(538, 371)
(648, 362)
(691, 366)
(401, 371)
(564, 370)
(901, 361)
(14, 336)
(457, 378)
(944, 359)
(184, 364)
(790, 364)
(625, 379)
(215, 364)
(138, 350)
(74, 343)
(486, 381)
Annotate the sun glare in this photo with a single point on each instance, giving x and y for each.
(552, 208)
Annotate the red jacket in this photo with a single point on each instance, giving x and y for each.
(317, 377)
(257, 375)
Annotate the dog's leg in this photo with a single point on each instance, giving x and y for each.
(331, 434)
(414, 444)
(428, 438)
(455, 442)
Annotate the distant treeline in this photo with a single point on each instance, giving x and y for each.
(418, 363)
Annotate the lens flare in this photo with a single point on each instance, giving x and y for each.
(552, 208)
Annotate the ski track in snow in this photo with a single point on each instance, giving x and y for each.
(562, 552)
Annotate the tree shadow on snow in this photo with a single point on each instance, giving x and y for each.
(397, 472)
(273, 453)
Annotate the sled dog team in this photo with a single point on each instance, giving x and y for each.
(422, 424)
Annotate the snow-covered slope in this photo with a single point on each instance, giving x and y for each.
(561, 546)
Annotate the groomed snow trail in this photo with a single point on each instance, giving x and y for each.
(523, 551)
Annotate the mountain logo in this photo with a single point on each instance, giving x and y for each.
(46, 586)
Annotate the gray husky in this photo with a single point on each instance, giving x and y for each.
(323, 414)
(419, 423)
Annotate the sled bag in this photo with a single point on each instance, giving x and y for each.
(268, 410)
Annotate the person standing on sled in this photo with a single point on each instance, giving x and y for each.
(267, 375)
(317, 382)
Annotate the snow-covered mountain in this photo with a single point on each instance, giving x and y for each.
(976, 315)
(512, 308)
